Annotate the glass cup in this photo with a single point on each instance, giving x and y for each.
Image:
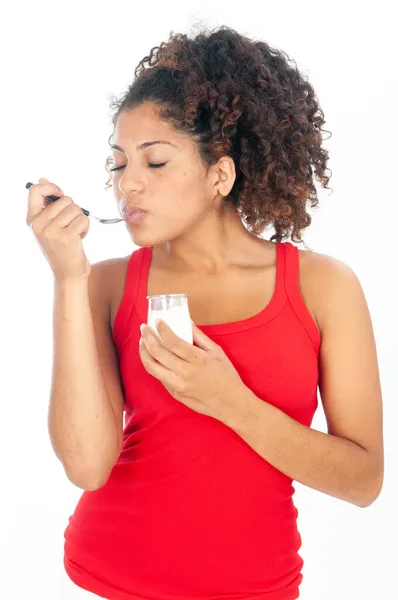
(173, 309)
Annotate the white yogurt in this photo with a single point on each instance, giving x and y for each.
(175, 315)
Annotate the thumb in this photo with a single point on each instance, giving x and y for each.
(201, 339)
(44, 180)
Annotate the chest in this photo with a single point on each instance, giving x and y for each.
(218, 299)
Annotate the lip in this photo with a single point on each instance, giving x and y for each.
(134, 215)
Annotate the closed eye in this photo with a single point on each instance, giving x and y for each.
(151, 165)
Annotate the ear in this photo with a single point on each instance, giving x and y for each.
(224, 175)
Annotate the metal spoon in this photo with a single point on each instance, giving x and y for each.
(86, 212)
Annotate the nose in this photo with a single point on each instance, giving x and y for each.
(130, 183)
(133, 187)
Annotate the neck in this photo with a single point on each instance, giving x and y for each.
(211, 246)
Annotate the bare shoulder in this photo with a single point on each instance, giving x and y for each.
(314, 265)
(111, 267)
(328, 285)
(316, 260)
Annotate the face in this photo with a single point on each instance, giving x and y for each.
(168, 181)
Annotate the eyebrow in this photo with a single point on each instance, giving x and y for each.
(144, 145)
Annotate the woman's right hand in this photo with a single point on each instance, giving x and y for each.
(59, 228)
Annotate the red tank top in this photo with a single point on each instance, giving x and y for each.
(190, 510)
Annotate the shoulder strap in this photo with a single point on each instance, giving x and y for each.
(291, 269)
(292, 286)
(125, 309)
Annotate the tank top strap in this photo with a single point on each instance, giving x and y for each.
(292, 267)
(131, 286)
(293, 292)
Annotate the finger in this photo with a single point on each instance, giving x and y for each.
(160, 353)
(177, 345)
(154, 368)
(46, 181)
(79, 226)
(56, 217)
(64, 212)
(36, 196)
(204, 342)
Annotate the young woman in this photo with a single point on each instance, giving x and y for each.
(217, 138)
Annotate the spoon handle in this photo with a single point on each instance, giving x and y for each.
(54, 198)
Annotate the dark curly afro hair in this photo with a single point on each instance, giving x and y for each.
(239, 97)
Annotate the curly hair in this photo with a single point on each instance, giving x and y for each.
(239, 97)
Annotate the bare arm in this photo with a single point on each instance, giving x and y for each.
(86, 405)
(348, 461)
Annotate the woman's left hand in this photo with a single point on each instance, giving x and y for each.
(202, 377)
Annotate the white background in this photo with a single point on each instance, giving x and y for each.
(61, 63)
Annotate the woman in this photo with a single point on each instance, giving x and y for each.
(217, 138)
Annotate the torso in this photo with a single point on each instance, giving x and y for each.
(236, 295)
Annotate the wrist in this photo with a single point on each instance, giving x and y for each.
(243, 409)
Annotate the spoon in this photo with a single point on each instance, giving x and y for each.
(86, 212)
